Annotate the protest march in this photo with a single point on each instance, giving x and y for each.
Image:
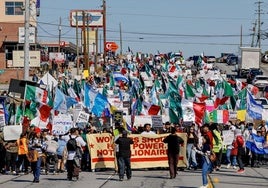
(132, 91)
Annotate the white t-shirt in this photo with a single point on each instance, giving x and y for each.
(150, 132)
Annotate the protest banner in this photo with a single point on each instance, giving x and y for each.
(148, 151)
(62, 124)
(12, 132)
(101, 147)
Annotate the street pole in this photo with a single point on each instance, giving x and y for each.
(59, 35)
(96, 50)
(77, 47)
(88, 66)
(104, 31)
(85, 42)
(120, 28)
(26, 40)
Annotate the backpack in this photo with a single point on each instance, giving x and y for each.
(71, 144)
(240, 141)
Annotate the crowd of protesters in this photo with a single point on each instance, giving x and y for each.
(53, 157)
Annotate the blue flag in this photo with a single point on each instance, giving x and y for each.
(95, 101)
(256, 144)
(254, 109)
(60, 101)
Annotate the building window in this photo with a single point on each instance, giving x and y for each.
(14, 8)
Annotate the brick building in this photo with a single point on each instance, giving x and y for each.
(12, 21)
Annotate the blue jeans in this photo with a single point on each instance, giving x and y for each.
(191, 156)
(206, 167)
(228, 157)
(124, 166)
(36, 167)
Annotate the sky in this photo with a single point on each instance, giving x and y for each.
(193, 27)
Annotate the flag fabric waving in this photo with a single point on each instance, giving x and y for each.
(256, 144)
(37, 94)
(254, 109)
(120, 77)
(60, 103)
(219, 116)
(95, 101)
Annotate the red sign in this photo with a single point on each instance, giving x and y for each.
(111, 46)
(62, 43)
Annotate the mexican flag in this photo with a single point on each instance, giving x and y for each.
(219, 116)
(223, 92)
(37, 94)
(193, 111)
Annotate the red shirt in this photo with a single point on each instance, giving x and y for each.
(210, 136)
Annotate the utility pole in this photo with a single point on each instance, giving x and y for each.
(259, 12)
(120, 29)
(104, 30)
(26, 40)
(253, 35)
(77, 47)
(59, 35)
(100, 43)
(96, 49)
(85, 42)
(241, 36)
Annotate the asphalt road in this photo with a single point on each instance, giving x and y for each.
(253, 177)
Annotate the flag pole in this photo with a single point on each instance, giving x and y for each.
(24, 101)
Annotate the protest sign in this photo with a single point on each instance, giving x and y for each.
(82, 117)
(12, 132)
(61, 124)
(228, 137)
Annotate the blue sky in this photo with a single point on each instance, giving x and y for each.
(149, 26)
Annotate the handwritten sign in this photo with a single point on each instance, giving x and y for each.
(62, 124)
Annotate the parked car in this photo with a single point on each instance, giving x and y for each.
(232, 60)
(211, 59)
(223, 57)
(260, 81)
(254, 72)
(263, 101)
(264, 58)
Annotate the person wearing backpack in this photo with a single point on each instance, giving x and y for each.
(241, 150)
(74, 142)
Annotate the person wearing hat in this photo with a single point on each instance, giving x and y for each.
(37, 143)
(124, 155)
(167, 127)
